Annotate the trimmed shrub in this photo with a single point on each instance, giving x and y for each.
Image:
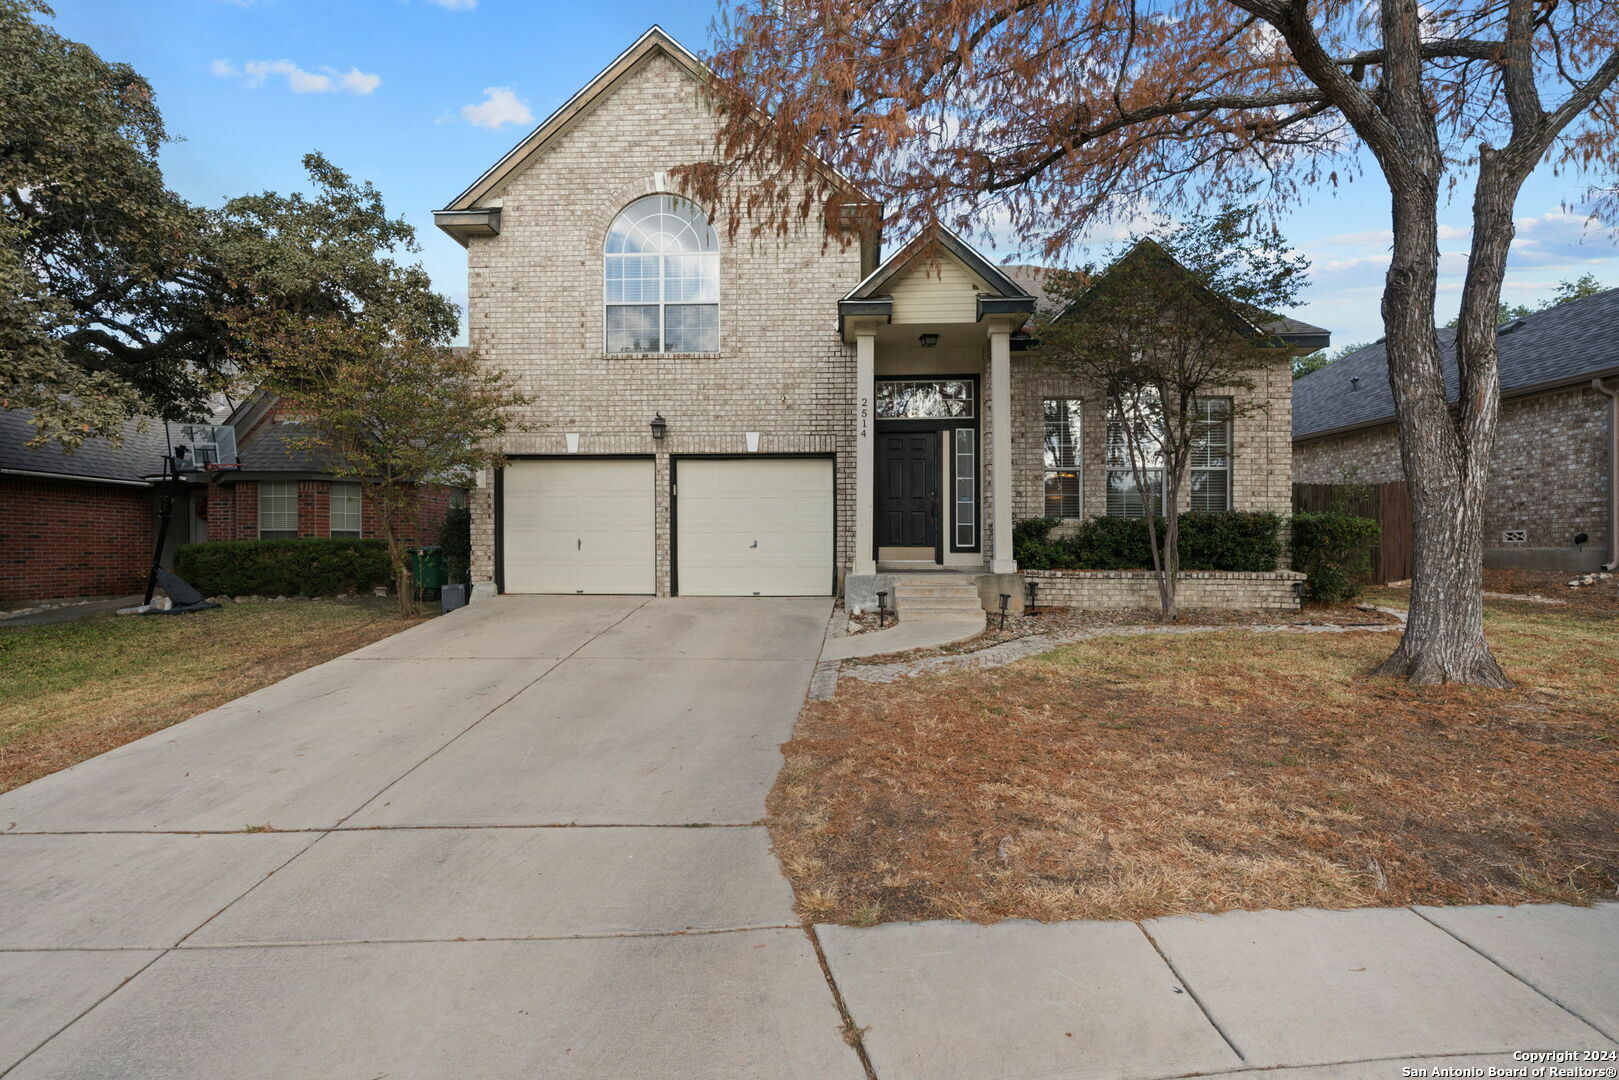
(317, 566)
(1231, 540)
(1228, 540)
(1032, 545)
(1335, 549)
(455, 541)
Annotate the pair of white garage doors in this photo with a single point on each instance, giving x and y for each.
(743, 526)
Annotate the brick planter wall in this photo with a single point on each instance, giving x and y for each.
(1275, 590)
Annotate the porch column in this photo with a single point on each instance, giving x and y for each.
(865, 467)
(1000, 449)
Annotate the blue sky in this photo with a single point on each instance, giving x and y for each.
(420, 96)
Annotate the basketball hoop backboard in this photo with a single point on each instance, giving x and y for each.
(210, 444)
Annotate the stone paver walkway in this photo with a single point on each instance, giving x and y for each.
(1009, 652)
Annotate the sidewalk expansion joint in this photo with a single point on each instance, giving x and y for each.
(854, 1035)
(1191, 993)
(1610, 1036)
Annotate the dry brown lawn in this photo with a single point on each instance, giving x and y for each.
(70, 691)
(1128, 777)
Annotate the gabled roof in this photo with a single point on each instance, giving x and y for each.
(876, 282)
(1568, 344)
(464, 214)
(283, 446)
(870, 298)
(1281, 332)
(139, 455)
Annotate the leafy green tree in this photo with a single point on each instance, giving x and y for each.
(328, 316)
(118, 297)
(95, 318)
(391, 412)
(1172, 320)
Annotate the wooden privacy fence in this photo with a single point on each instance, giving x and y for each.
(1387, 504)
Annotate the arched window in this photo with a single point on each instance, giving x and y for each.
(662, 278)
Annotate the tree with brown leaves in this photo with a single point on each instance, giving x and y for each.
(1051, 114)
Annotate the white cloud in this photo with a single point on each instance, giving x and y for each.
(500, 106)
(327, 80)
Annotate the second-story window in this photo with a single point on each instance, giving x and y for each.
(662, 278)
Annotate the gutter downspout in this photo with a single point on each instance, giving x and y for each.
(1613, 473)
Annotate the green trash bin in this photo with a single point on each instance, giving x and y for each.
(426, 570)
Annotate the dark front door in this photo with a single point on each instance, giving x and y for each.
(908, 489)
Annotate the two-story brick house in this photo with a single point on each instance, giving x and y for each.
(727, 415)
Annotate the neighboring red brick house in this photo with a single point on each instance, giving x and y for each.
(84, 523)
(79, 524)
(285, 489)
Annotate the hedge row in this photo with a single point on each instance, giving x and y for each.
(1229, 540)
(1332, 547)
(315, 566)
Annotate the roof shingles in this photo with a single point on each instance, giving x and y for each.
(1562, 344)
(140, 454)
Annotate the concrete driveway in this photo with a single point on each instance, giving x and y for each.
(518, 841)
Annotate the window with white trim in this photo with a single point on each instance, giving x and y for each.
(662, 278)
(345, 509)
(1125, 494)
(278, 509)
(1211, 454)
(1064, 471)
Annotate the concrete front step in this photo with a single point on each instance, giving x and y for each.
(909, 605)
(904, 590)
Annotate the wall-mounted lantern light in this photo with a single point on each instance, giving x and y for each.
(928, 340)
(659, 426)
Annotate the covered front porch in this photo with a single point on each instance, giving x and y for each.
(934, 329)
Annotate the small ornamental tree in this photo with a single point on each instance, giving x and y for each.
(355, 340)
(391, 413)
(1052, 114)
(1172, 333)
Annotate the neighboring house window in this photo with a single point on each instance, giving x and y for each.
(345, 509)
(1064, 473)
(1211, 454)
(278, 509)
(662, 267)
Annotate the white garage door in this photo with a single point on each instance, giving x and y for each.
(754, 526)
(579, 525)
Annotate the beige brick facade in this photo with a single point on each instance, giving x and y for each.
(535, 308)
(1261, 464)
(783, 368)
(1548, 471)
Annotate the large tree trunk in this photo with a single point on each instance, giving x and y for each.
(1446, 463)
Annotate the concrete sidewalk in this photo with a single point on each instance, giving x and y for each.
(1317, 994)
